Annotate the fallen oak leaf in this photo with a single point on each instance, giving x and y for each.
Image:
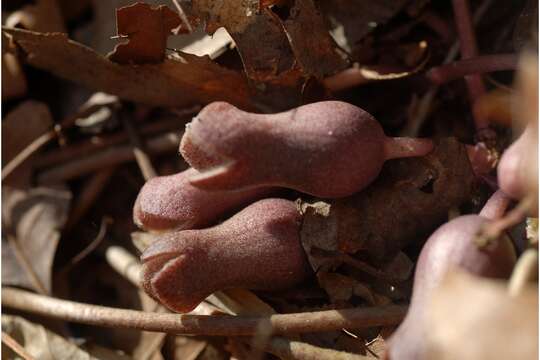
(147, 28)
(31, 222)
(180, 80)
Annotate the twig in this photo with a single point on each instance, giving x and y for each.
(27, 152)
(296, 350)
(15, 346)
(94, 244)
(97, 143)
(494, 229)
(357, 75)
(525, 271)
(469, 49)
(90, 192)
(477, 65)
(222, 325)
(182, 15)
(139, 150)
(112, 156)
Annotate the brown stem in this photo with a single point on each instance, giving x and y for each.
(469, 49)
(494, 229)
(477, 65)
(108, 157)
(97, 143)
(223, 325)
(296, 350)
(424, 105)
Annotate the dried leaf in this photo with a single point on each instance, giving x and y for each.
(317, 53)
(264, 47)
(257, 33)
(341, 288)
(39, 342)
(476, 318)
(177, 81)
(410, 198)
(32, 219)
(147, 29)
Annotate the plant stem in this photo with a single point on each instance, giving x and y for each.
(481, 64)
(469, 49)
(221, 325)
(296, 350)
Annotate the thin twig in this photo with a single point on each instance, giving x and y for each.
(525, 271)
(27, 152)
(139, 150)
(94, 244)
(494, 229)
(108, 157)
(15, 346)
(222, 325)
(477, 65)
(295, 350)
(183, 15)
(101, 142)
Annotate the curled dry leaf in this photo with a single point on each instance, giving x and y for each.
(39, 342)
(410, 198)
(475, 318)
(147, 29)
(32, 220)
(177, 81)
